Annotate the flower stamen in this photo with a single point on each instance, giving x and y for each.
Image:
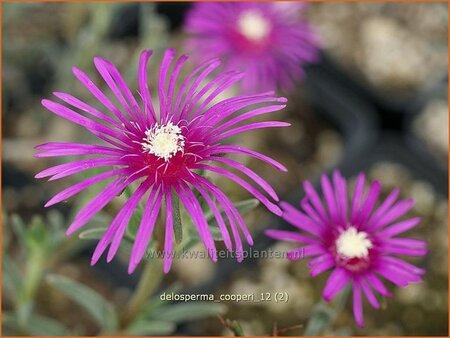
(352, 243)
(253, 25)
(163, 141)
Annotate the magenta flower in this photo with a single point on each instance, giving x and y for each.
(267, 40)
(356, 241)
(164, 150)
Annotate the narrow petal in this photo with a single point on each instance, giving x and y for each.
(250, 114)
(63, 170)
(193, 208)
(231, 149)
(340, 190)
(405, 251)
(222, 81)
(249, 127)
(115, 82)
(377, 284)
(222, 110)
(369, 294)
(384, 207)
(149, 110)
(124, 216)
(187, 105)
(173, 80)
(208, 67)
(368, 205)
(329, 197)
(264, 200)
(321, 264)
(102, 98)
(250, 173)
(357, 304)
(96, 204)
(397, 275)
(402, 265)
(310, 212)
(313, 196)
(305, 251)
(73, 149)
(167, 59)
(151, 211)
(357, 197)
(398, 210)
(232, 215)
(217, 215)
(404, 246)
(169, 234)
(335, 283)
(94, 127)
(300, 220)
(289, 236)
(399, 227)
(77, 188)
(73, 101)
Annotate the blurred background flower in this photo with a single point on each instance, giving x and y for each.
(268, 40)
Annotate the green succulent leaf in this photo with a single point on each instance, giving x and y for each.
(134, 223)
(155, 302)
(143, 327)
(99, 308)
(181, 312)
(235, 327)
(18, 227)
(324, 314)
(320, 319)
(12, 280)
(177, 226)
(243, 207)
(45, 326)
(94, 233)
(35, 325)
(345, 331)
(216, 233)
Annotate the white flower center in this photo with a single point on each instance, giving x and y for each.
(353, 244)
(253, 25)
(163, 141)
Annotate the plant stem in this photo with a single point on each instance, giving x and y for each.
(150, 279)
(34, 272)
(324, 314)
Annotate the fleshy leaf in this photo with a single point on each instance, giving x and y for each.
(324, 314)
(156, 302)
(45, 326)
(133, 225)
(143, 327)
(35, 325)
(94, 233)
(243, 207)
(321, 318)
(12, 280)
(99, 308)
(18, 227)
(177, 226)
(181, 312)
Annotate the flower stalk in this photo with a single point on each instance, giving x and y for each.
(150, 279)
